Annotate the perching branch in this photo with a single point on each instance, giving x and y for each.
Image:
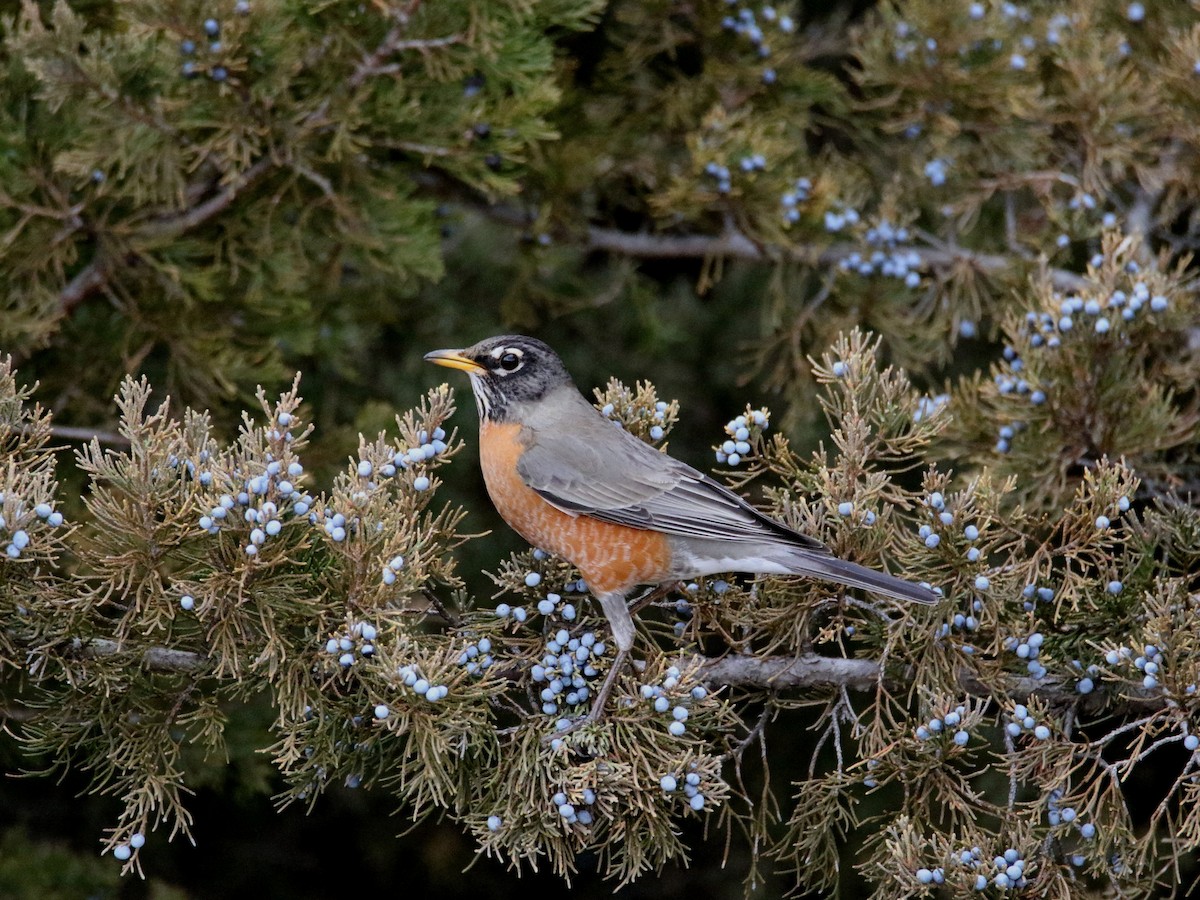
(776, 673)
(786, 672)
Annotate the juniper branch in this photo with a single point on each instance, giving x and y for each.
(97, 273)
(777, 673)
(155, 659)
(734, 244)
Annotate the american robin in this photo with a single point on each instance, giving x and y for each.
(572, 483)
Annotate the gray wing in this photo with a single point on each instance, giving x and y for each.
(604, 472)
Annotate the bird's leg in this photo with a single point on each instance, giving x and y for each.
(621, 622)
(610, 681)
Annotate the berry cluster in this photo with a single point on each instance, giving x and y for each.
(931, 876)
(691, 788)
(1028, 649)
(839, 217)
(746, 24)
(566, 667)
(791, 199)
(1149, 663)
(936, 503)
(477, 657)
(1023, 722)
(359, 638)
(1047, 330)
(421, 686)
(670, 697)
(943, 726)
(252, 496)
(928, 407)
(1033, 594)
(1057, 814)
(216, 66)
(429, 445)
(935, 171)
(504, 610)
(968, 622)
(1087, 682)
(640, 410)
(16, 519)
(660, 414)
(1009, 868)
(122, 852)
(683, 608)
(392, 568)
(569, 812)
(552, 604)
(887, 260)
(741, 431)
(721, 174)
(847, 508)
(334, 524)
(870, 781)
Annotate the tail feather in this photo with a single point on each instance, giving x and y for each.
(823, 565)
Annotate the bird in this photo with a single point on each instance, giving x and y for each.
(572, 483)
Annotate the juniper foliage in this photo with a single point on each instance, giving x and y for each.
(964, 229)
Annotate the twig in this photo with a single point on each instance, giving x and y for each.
(90, 278)
(441, 608)
(172, 226)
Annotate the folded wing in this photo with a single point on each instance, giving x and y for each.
(607, 473)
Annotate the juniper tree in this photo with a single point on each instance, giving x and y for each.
(961, 233)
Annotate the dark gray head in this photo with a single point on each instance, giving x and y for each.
(506, 370)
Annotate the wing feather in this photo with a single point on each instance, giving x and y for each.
(607, 473)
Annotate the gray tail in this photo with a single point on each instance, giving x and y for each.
(823, 565)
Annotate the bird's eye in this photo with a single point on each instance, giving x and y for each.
(509, 361)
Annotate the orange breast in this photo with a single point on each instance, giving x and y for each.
(610, 557)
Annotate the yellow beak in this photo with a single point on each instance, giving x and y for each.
(454, 359)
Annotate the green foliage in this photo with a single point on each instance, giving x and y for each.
(217, 187)
(58, 873)
(962, 232)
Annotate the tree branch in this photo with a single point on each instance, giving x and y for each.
(74, 433)
(777, 673)
(90, 278)
(789, 672)
(808, 670)
(733, 244)
(155, 659)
